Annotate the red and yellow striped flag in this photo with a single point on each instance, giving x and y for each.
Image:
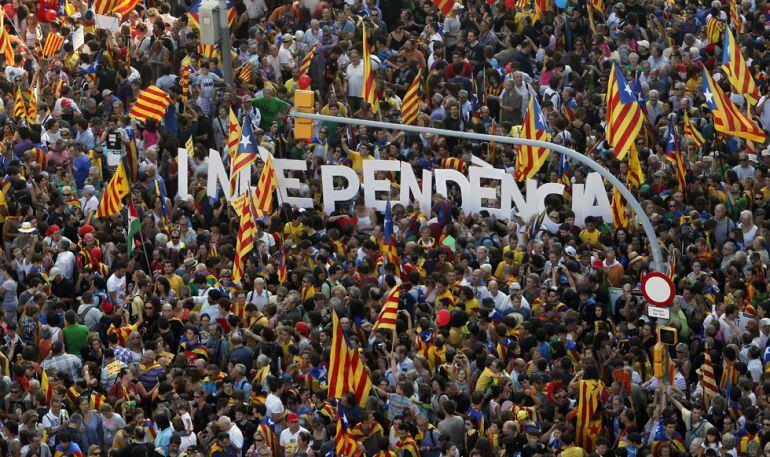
(708, 382)
(31, 106)
(735, 16)
(96, 401)
(624, 115)
(111, 202)
(410, 108)
(714, 29)
(245, 74)
(304, 65)
(589, 417)
(46, 387)
(531, 158)
(124, 7)
(369, 89)
(386, 320)
(104, 7)
(53, 43)
(619, 215)
(727, 117)
(729, 375)
(207, 51)
(268, 183)
(691, 133)
(246, 233)
(635, 173)
(6, 50)
(734, 66)
(598, 5)
(233, 136)
(184, 81)
(19, 109)
(150, 104)
(445, 6)
(346, 443)
(346, 371)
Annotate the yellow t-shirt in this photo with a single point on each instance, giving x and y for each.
(591, 238)
(358, 161)
(175, 281)
(293, 231)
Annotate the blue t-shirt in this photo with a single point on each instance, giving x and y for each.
(80, 167)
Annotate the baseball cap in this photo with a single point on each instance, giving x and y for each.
(292, 417)
(764, 322)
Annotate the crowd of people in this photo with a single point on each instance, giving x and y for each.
(512, 338)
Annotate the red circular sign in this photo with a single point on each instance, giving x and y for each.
(658, 289)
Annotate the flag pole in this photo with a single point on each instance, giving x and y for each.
(141, 241)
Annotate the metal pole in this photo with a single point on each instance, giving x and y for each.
(227, 56)
(590, 163)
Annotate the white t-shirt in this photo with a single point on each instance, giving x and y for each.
(65, 262)
(236, 437)
(118, 286)
(289, 440)
(355, 77)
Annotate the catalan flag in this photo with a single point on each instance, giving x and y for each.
(246, 152)
(46, 387)
(729, 375)
(304, 65)
(192, 13)
(122, 332)
(727, 118)
(346, 371)
(6, 49)
(389, 313)
(269, 436)
(19, 108)
(111, 202)
(598, 5)
(124, 7)
(190, 146)
(445, 6)
(569, 107)
(691, 133)
(233, 135)
(708, 382)
(268, 183)
(104, 7)
(346, 444)
(635, 173)
(150, 104)
(671, 265)
(589, 415)
(714, 29)
(624, 115)
(531, 158)
(184, 81)
(734, 66)
(207, 51)
(246, 235)
(369, 89)
(232, 14)
(282, 274)
(96, 401)
(388, 244)
(410, 107)
(29, 94)
(90, 71)
(245, 74)
(564, 175)
(53, 44)
(735, 16)
(619, 215)
(675, 156)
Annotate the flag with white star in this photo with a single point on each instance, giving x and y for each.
(624, 115)
(728, 119)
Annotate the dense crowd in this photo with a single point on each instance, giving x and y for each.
(513, 337)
